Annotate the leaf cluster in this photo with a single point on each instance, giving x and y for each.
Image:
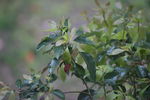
(112, 52)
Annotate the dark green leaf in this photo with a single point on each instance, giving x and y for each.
(79, 70)
(129, 39)
(51, 78)
(83, 40)
(143, 44)
(148, 37)
(19, 83)
(43, 43)
(100, 59)
(144, 90)
(47, 40)
(118, 74)
(142, 71)
(66, 22)
(84, 95)
(79, 31)
(111, 78)
(90, 64)
(59, 94)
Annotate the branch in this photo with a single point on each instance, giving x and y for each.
(43, 70)
(76, 92)
(84, 82)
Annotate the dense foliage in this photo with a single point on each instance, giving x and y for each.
(112, 53)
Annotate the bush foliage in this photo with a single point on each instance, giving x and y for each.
(112, 52)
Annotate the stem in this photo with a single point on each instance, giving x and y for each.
(123, 33)
(76, 92)
(134, 86)
(138, 22)
(104, 88)
(84, 82)
(103, 12)
(138, 30)
(44, 70)
(132, 79)
(97, 3)
(105, 92)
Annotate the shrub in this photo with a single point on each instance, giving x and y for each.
(112, 52)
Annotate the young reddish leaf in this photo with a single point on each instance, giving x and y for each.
(67, 68)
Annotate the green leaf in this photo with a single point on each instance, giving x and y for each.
(147, 37)
(66, 22)
(130, 98)
(59, 94)
(52, 27)
(58, 51)
(102, 70)
(118, 74)
(143, 90)
(43, 43)
(61, 73)
(119, 21)
(66, 57)
(79, 70)
(47, 40)
(51, 78)
(53, 65)
(79, 31)
(19, 83)
(115, 52)
(142, 71)
(111, 96)
(83, 40)
(90, 64)
(84, 94)
(60, 42)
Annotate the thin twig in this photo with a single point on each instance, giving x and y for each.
(105, 92)
(103, 12)
(134, 85)
(43, 70)
(138, 23)
(84, 82)
(104, 17)
(76, 92)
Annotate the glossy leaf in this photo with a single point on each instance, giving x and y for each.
(58, 51)
(84, 95)
(47, 40)
(115, 52)
(90, 64)
(59, 94)
(79, 70)
(84, 40)
(53, 65)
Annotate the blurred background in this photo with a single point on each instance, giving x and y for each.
(21, 28)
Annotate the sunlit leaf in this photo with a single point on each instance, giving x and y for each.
(115, 52)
